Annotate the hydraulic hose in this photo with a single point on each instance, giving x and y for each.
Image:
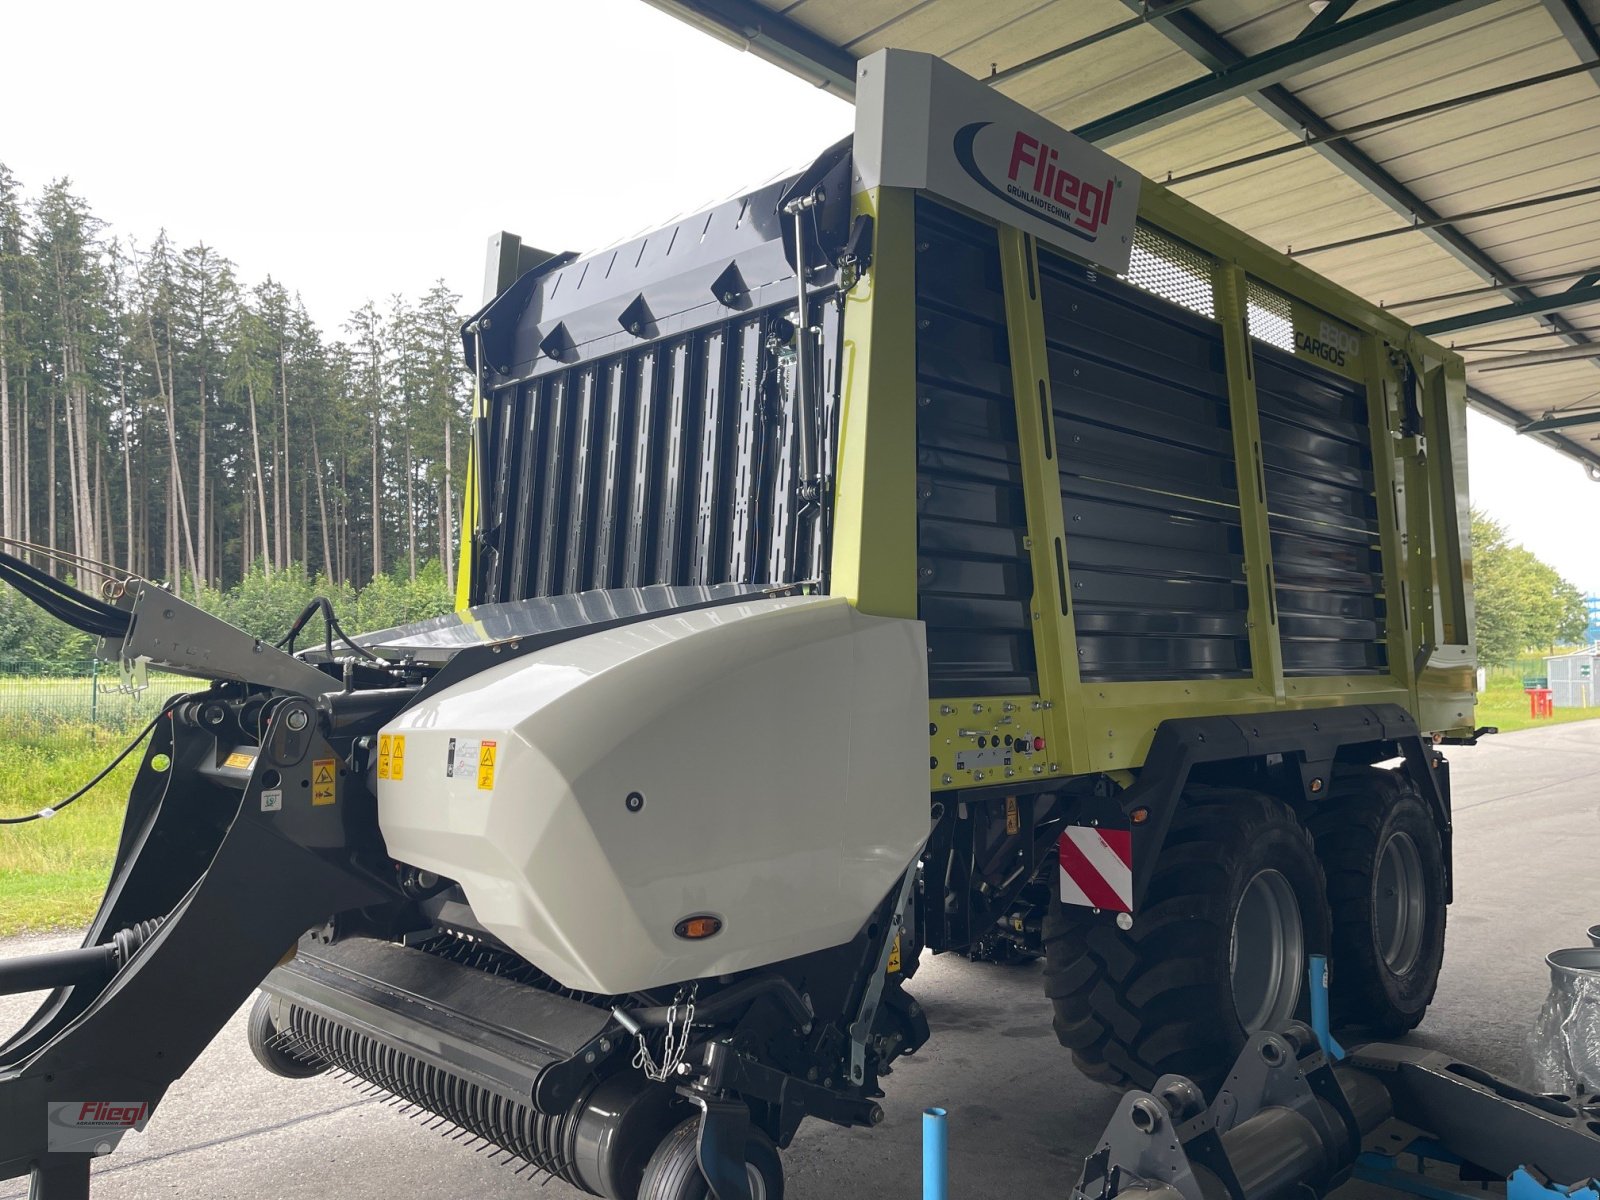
(52, 810)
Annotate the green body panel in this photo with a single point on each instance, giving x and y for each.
(1089, 727)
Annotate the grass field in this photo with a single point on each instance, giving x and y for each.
(1504, 705)
(52, 872)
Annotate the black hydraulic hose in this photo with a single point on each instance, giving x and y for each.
(61, 600)
(53, 809)
(330, 627)
(65, 608)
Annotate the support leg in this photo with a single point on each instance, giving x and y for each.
(60, 1177)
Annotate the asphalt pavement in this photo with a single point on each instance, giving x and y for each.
(1021, 1119)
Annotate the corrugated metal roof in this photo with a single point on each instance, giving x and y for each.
(1529, 143)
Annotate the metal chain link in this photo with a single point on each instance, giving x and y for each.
(674, 1041)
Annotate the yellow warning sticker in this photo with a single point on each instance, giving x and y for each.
(324, 780)
(486, 757)
(894, 956)
(385, 753)
(242, 759)
(397, 757)
(1013, 818)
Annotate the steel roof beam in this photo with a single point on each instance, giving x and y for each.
(1576, 27)
(1561, 421)
(1247, 75)
(1507, 415)
(1534, 358)
(1328, 17)
(1531, 307)
(1216, 52)
(772, 36)
(1147, 14)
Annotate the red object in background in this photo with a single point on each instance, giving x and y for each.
(1539, 702)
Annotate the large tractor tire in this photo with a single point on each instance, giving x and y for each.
(1218, 950)
(1384, 861)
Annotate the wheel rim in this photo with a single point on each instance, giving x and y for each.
(758, 1183)
(1267, 955)
(1400, 903)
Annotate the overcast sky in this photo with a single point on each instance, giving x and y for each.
(355, 149)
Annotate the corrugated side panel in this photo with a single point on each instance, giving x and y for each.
(1316, 445)
(672, 463)
(974, 582)
(1140, 395)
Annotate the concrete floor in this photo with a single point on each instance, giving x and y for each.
(1527, 839)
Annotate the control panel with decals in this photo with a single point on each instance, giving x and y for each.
(987, 739)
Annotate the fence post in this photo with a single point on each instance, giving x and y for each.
(94, 693)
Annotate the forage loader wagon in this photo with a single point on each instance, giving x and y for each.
(962, 544)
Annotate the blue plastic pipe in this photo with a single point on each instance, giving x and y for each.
(935, 1160)
(1319, 1007)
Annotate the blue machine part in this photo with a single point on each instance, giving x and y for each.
(1524, 1186)
(1319, 1007)
(935, 1155)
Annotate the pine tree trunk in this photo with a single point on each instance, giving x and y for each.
(72, 459)
(104, 543)
(322, 505)
(203, 526)
(50, 481)
(127, 466)
(347, 571)
(288, 523)
(22, 478)
(277, 506)
(261, 495)
(377, 506)
(7, 475)
(447, 505)
(411, 512)
(180, 507)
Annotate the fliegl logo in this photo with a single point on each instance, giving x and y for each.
(1027, 173)
(92, 1126)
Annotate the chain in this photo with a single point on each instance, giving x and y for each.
(674, 1041)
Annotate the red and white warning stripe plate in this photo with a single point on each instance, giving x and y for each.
(1097, 868)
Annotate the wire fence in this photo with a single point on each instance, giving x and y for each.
(49, 694)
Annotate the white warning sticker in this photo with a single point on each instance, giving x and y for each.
(272, 800)
(461, 759)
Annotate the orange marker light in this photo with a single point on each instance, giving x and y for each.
(695, 928)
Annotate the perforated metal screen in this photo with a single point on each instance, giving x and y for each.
(1271, 315)
(1173, 270)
